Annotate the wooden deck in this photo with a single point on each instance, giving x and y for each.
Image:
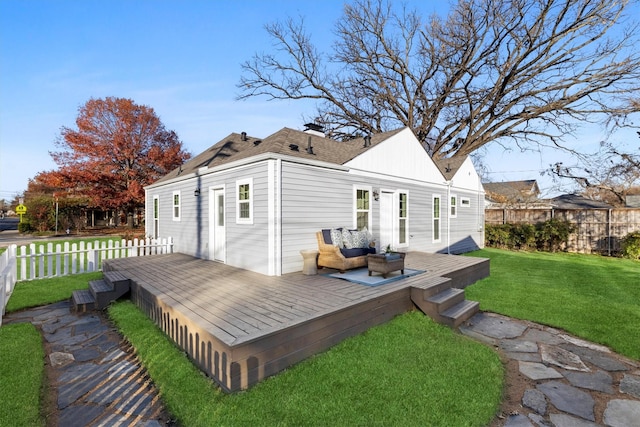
(240, 327)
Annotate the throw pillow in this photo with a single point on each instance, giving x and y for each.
(360, 239)
(336, 237)
(347, 239)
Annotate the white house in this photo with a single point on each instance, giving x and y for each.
(256, 203)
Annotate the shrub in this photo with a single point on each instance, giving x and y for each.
(630, 245)
(547, 236)
(24, 227)
(552, 234)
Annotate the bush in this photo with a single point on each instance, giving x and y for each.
(631, 245)
(24, 227)
(547, 236)
(552, 234)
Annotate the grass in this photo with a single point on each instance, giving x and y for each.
(593, 297)
(410, 371)
(21, 375)
(39, 292)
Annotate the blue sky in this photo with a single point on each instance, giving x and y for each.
(180, 57)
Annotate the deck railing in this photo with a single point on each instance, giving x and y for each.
(45, 260)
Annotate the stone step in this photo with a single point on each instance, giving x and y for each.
(83, 301)
(460, 313)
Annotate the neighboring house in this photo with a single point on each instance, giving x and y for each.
(256, 203)
(512, 193)
(575, 201)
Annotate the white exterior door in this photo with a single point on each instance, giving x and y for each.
(217, 242)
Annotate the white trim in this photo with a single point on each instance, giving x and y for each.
(249, 182)
(275, 217)
(369, 211)
(248, 162)
(173, 205)
(433, 219)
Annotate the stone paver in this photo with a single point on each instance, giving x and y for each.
(97, 379)
(566, 375)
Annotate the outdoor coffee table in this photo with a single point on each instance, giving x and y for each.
(385, 263)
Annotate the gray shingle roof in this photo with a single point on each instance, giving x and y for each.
(285, 141)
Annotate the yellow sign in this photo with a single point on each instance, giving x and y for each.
(21, 209)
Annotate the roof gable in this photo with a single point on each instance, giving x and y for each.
(460, 171)
(399, 154)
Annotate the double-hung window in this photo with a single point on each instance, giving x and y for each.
(403, 218)
(436, 218)
(244, 201)
(176, 205)
(453, 207)
(363, 208)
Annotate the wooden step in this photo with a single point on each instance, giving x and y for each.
(460, 313)
(83, 301)
(102, 292)
(446, 299)
(118, 280)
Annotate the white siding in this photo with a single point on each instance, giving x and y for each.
(246, 243)
(400, 156)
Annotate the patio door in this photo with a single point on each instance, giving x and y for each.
(386, 220)
(217, 239)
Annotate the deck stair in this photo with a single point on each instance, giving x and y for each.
(443, 303)
(101, 292)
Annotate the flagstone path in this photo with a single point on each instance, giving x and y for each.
(554, 379)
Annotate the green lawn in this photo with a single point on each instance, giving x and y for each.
(410, 371)
(594, 297)
(39, 292)
(21, 375)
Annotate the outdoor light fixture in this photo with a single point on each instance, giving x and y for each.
(376, 195)
(197, 192)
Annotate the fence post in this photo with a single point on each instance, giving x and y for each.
(91, 258)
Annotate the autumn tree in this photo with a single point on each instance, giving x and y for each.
(517, 72)
(118, 148)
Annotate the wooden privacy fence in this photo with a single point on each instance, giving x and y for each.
(44, 260)
(597, 230)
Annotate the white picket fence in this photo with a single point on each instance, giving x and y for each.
(44, 260)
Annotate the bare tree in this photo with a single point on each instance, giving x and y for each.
(609, 175)
(518, 72)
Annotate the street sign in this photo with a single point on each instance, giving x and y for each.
(21, 209)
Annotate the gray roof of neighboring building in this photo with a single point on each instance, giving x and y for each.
(575, 201)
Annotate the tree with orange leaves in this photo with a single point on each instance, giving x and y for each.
(118, 148)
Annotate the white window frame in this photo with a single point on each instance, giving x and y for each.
(400, 219)
(436, 222)
(249, 201)
(453, 206)
(465, 202)
(175, 206)
(155, 212)
(357, 188)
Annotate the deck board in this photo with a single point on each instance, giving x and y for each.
(240, 326)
